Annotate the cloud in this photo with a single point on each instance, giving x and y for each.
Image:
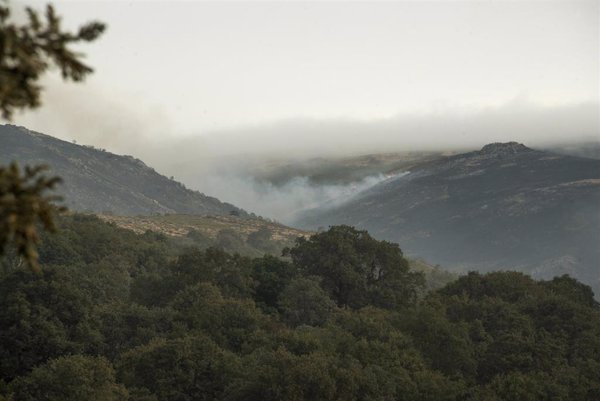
(517, 120)
(224, 163)
(284, 202)
(233, 156)
(92, 115)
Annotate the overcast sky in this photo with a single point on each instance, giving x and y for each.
(198, 69)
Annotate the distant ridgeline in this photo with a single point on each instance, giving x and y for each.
(504, 207)
(99, 181)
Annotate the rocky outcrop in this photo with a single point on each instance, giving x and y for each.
(504, 149)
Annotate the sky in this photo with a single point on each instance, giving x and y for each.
(184, 85)
(199, 68)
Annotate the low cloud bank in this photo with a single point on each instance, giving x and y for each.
(217, 163)
(516, 121)
(219, 171)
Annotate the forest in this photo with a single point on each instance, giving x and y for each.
(113, 315)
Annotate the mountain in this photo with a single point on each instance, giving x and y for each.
(98, 181)
(503, 207)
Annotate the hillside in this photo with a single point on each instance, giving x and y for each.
(247, 236)
(210, 226)
(100, 181)
(589, 149)
(503, 207)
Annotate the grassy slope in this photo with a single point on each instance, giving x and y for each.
(229, 232)
(179, 225)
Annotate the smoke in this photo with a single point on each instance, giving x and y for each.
(226, 163)
(120, 122)
(284, 202)
(234, 159)
(127, 123)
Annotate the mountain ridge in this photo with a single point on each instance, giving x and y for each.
(505, 206)
(95, 180)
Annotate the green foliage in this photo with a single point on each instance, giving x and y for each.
(24, 203)
(262, 239)
(568, 287)
(88, 240)
(271, 276)
(303, 301)
(229, 322)
(70, 378)
(232, 240)
(526, 334)
(445, 346)
(230, 272)
(29, 50)
(189, 324)
(280, 375)
(184, 369)
(127, 325)
(228, 239)
(200, 239)
(43, 317)
(356, 269)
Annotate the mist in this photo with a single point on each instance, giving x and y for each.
(226, 163)
(284, 202)
(440, 129)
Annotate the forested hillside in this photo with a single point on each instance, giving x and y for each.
(116, 315)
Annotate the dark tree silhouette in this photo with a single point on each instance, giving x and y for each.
(22, 204)
(27, 51)
(356, 269)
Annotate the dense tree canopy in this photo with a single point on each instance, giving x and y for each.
(71, 378)
(116, 316)
(356, 269)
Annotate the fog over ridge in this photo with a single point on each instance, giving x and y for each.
(227, 173)
(446, 129)
(223, 163)
(284, 202)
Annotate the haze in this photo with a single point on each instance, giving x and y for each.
(189, 86)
